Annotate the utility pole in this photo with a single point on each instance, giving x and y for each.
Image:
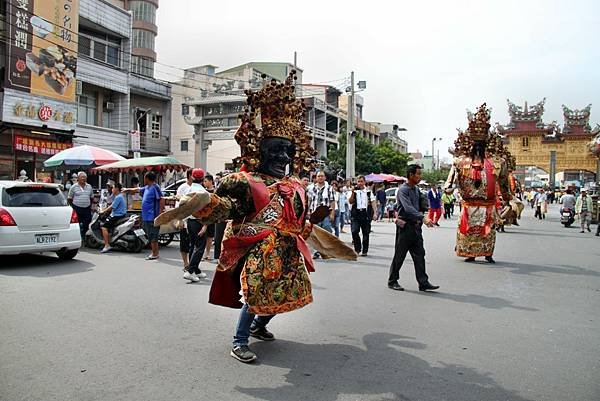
(350, 140)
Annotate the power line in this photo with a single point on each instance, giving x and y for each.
(129, 62)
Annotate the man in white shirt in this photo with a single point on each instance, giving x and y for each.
(322, 194)
(184, 239)
(363, 211)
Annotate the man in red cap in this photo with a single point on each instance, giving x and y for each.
(196, 233)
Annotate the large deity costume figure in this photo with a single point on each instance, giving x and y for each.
(480, 174)
(265, 260)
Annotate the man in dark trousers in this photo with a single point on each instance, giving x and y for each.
(362, 212)
(409, 237)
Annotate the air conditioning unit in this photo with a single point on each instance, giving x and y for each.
(109, 106)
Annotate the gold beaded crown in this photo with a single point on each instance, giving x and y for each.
(479, 130)
(274, 112)
(479, 124)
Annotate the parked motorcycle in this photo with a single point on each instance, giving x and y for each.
(124, 236)
(567, 217)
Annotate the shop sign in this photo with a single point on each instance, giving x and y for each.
(135, 141)
(39, 146)
(21, 108)
(42, 47)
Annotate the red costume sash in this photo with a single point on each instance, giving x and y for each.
(226, 284)
(489, 203)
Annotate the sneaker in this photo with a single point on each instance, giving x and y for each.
(262, 333)
(243, 354)
(201, 275)
(151, 257)
(105, 249)
(190, 276)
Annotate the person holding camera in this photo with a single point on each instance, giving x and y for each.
(409, 234)
(362, 212)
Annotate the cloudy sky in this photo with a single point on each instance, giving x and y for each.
(424, 62)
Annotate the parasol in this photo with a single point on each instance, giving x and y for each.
(153, 163)
(82, 157)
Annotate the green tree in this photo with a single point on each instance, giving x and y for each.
(435, 176)
(390, 160)
(369, 158)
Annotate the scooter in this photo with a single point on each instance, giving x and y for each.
(124, 236)
(567, 217)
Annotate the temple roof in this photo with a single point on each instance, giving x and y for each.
(526, 114)
(577, 121)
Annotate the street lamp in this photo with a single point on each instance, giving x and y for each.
(433, 151)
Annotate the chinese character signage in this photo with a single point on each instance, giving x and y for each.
(135, 141)
(39, 146)
(25, 109)
(42, 47)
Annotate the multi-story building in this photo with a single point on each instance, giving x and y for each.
(210, 103)
(118, 92)
(366, 129)
(537, 145)
(38, 100)
(103, 96)
(391, 132)
(323, 115)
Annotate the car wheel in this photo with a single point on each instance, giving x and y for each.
(67, 254)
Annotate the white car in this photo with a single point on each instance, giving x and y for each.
(35, 218)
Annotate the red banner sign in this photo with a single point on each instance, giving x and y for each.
(40, 146)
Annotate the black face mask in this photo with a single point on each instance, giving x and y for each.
(275, 155)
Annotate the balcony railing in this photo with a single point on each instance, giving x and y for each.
(154, 145)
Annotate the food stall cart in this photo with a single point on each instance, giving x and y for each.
(159, 165)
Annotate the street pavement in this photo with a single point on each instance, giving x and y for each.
(117, 327)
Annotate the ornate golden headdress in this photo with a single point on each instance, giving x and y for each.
(274, 112)
(479, 124)
(479, 130)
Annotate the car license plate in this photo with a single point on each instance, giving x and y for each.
(139, 232)
(44, 239)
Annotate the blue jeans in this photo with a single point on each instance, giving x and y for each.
(246, 321)
(381, 211)
(342, 220)
(326, 224)
(336, 223)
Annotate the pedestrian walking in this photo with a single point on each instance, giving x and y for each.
(184, 239)
(336, 218)
(381, 202)
(197, 233)
(209, 185)
(153, 204)
(448, 201)
(391, 210)
(322, 194)
(363, 212)
(80, 198)
(344, 207)
(435, 205)
(409, 235)
(583, 208)
(541, 206)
